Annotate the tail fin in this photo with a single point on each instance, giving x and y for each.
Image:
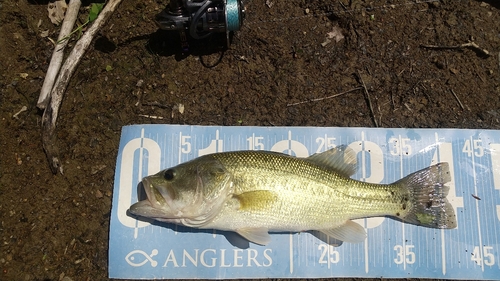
(429, 206)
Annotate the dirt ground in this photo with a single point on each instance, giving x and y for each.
(56, 226)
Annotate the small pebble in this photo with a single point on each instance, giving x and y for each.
(98, 194)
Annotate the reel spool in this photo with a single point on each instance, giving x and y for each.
(201, 18)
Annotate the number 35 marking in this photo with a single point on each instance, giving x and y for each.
(402, 255)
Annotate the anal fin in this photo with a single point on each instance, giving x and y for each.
(257, 235)
(347, 232)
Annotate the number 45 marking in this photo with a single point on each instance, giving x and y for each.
(474, 146)
(488, 258)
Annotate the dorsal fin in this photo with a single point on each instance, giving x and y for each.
(341, 159)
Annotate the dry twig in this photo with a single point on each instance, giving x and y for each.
(458, 100)
(320, 99)
(471, 45)
(368, 99)
(151, 116)
(58, 53)
(23, 109)
(50, 114)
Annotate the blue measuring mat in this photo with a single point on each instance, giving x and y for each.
(141, 249)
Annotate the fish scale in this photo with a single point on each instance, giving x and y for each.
(363, 199)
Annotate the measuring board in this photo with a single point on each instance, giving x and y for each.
(141, 249)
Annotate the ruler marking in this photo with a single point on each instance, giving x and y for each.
(494, 207)
(180, 148)
(365, 222)
(489, 230)
(428, 254)
(402, 225)
(491, 183)
(493, 195)
(195, 143)
(474, 176)
(291, 252)
(443, 242)
(494, 190)
(378, 229)
(176, 227)
(458, 182)
(466, 229)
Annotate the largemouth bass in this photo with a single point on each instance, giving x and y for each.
(257, 192)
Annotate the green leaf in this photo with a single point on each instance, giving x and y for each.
(95, 9)
(109, 68)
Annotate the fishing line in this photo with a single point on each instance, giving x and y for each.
(369, 9)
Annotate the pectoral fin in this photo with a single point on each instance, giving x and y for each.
(258, 235)
(348, 232)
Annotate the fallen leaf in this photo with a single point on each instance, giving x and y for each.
(56, 11)
(335, 34)
(44, 33)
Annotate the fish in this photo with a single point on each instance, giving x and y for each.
(253, 193)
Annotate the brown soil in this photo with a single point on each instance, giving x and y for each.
(57, 225)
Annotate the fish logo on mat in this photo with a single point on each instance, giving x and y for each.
(131, 258)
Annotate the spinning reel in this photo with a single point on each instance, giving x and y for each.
(201, 18)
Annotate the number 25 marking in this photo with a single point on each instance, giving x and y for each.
(328, 254)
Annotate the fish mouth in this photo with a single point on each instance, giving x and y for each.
(155, 206)
(141, 208)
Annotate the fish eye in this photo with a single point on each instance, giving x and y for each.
(169, 174)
